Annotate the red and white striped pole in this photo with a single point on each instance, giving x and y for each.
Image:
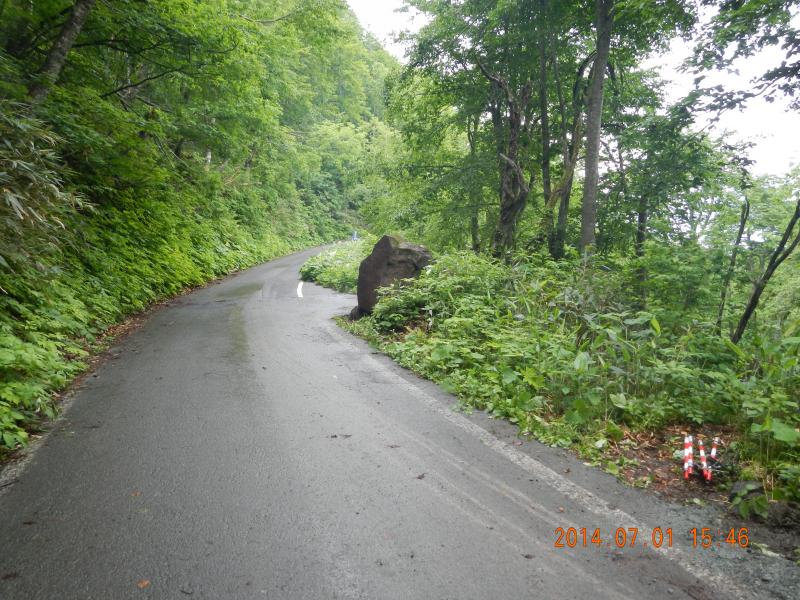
(714, 445)
(703, 463)
(687, 457)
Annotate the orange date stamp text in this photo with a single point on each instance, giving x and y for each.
(657, 537)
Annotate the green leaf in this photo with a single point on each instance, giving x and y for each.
(440, 353)
(582, 362)
(619, 400)
(738, 351)
(614, 431)
(784, 433)
(509, 376)
(533, 378)
(655, 325)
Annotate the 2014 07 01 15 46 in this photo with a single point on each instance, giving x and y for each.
(657, 537)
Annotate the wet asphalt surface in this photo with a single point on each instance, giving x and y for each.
(240, 445)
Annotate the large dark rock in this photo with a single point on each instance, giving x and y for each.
(391, 259)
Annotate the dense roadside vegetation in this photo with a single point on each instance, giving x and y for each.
(605, 263)
(337, 267)
(151, 146)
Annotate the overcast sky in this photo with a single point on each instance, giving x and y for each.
(772, 127)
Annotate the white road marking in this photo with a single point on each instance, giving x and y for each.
(300, 290)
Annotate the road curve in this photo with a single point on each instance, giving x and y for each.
(240, 445)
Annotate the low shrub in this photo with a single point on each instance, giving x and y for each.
(337, 267)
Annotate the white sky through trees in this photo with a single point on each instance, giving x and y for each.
(773, 128)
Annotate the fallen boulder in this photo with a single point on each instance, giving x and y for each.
(391, 259)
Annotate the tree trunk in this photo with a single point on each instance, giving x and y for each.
(514, 190)
(545, 117)
(564, 192)
(513, 198)
(755, 297)
(641, 226)
(642, 214)
(54, 63)
(475, 232)
(603, 23)
(569, 154)
(780, 254)
(726, 282)
(474, 187)
(560, 235)
(495, 110)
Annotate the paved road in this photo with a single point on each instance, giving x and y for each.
(240, 445)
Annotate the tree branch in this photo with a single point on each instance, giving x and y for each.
(143, 81)
(499, 81)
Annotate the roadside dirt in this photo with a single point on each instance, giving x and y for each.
(651, 463)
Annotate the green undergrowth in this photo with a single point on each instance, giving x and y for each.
(337, 267)
(549, 346)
